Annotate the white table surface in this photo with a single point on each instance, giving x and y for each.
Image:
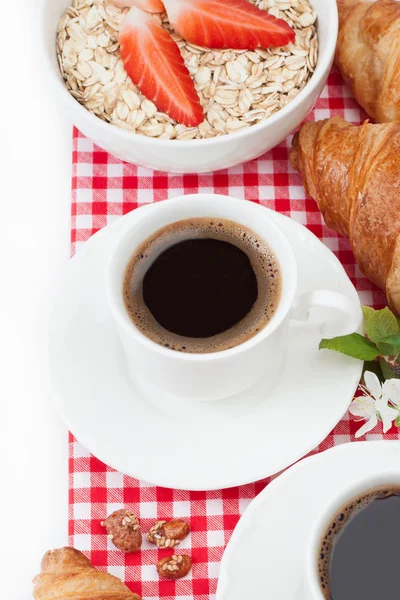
(35, 164)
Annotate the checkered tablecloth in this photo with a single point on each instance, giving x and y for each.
(104, 188)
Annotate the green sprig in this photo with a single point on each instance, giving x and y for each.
(382, 342)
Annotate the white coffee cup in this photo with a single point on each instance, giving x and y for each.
(312, 587)
(218, 374)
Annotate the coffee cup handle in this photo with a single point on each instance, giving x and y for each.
(344, 315)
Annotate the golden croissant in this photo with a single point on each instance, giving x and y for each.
(368, 55)
(353, 172)
(68, 574)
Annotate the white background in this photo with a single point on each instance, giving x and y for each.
(35, 165)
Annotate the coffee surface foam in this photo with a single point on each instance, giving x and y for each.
(263, 262)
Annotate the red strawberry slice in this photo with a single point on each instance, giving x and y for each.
(227, 24)
(151, 6)
(154, 63)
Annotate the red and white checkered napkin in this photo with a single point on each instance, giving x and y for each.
(104, 188)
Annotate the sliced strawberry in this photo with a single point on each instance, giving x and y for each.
(154, 63)
(150, 6)
(227, 24)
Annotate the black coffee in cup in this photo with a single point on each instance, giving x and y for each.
(202, 285)
(360, 550)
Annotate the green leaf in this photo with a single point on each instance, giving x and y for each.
(368, 314)
(386, 349)
(354, 345)
(397, 421)
(379, 324)
(387, 370)
(393, 340)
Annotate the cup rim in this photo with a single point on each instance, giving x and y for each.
(281, 314)
(358, 487)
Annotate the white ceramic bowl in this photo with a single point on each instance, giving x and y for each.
(192, 155)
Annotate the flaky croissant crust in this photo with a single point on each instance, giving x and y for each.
(368, 54)
(68, 575)
(353, 174)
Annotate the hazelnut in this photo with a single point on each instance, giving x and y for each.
(174, 567)
(167, 534)
(124, 530)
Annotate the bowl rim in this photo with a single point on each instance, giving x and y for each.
(323, 65)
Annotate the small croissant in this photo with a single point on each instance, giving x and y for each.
(67, 574)
(368, 55)
(353, 173)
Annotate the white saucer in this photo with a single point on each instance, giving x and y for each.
(181, 444)
(265, 555)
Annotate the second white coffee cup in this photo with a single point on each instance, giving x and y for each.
(218, 374)
(360, 485)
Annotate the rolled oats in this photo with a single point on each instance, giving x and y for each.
(237, 88)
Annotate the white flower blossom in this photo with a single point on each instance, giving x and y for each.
(391, 388)
(378, 401)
